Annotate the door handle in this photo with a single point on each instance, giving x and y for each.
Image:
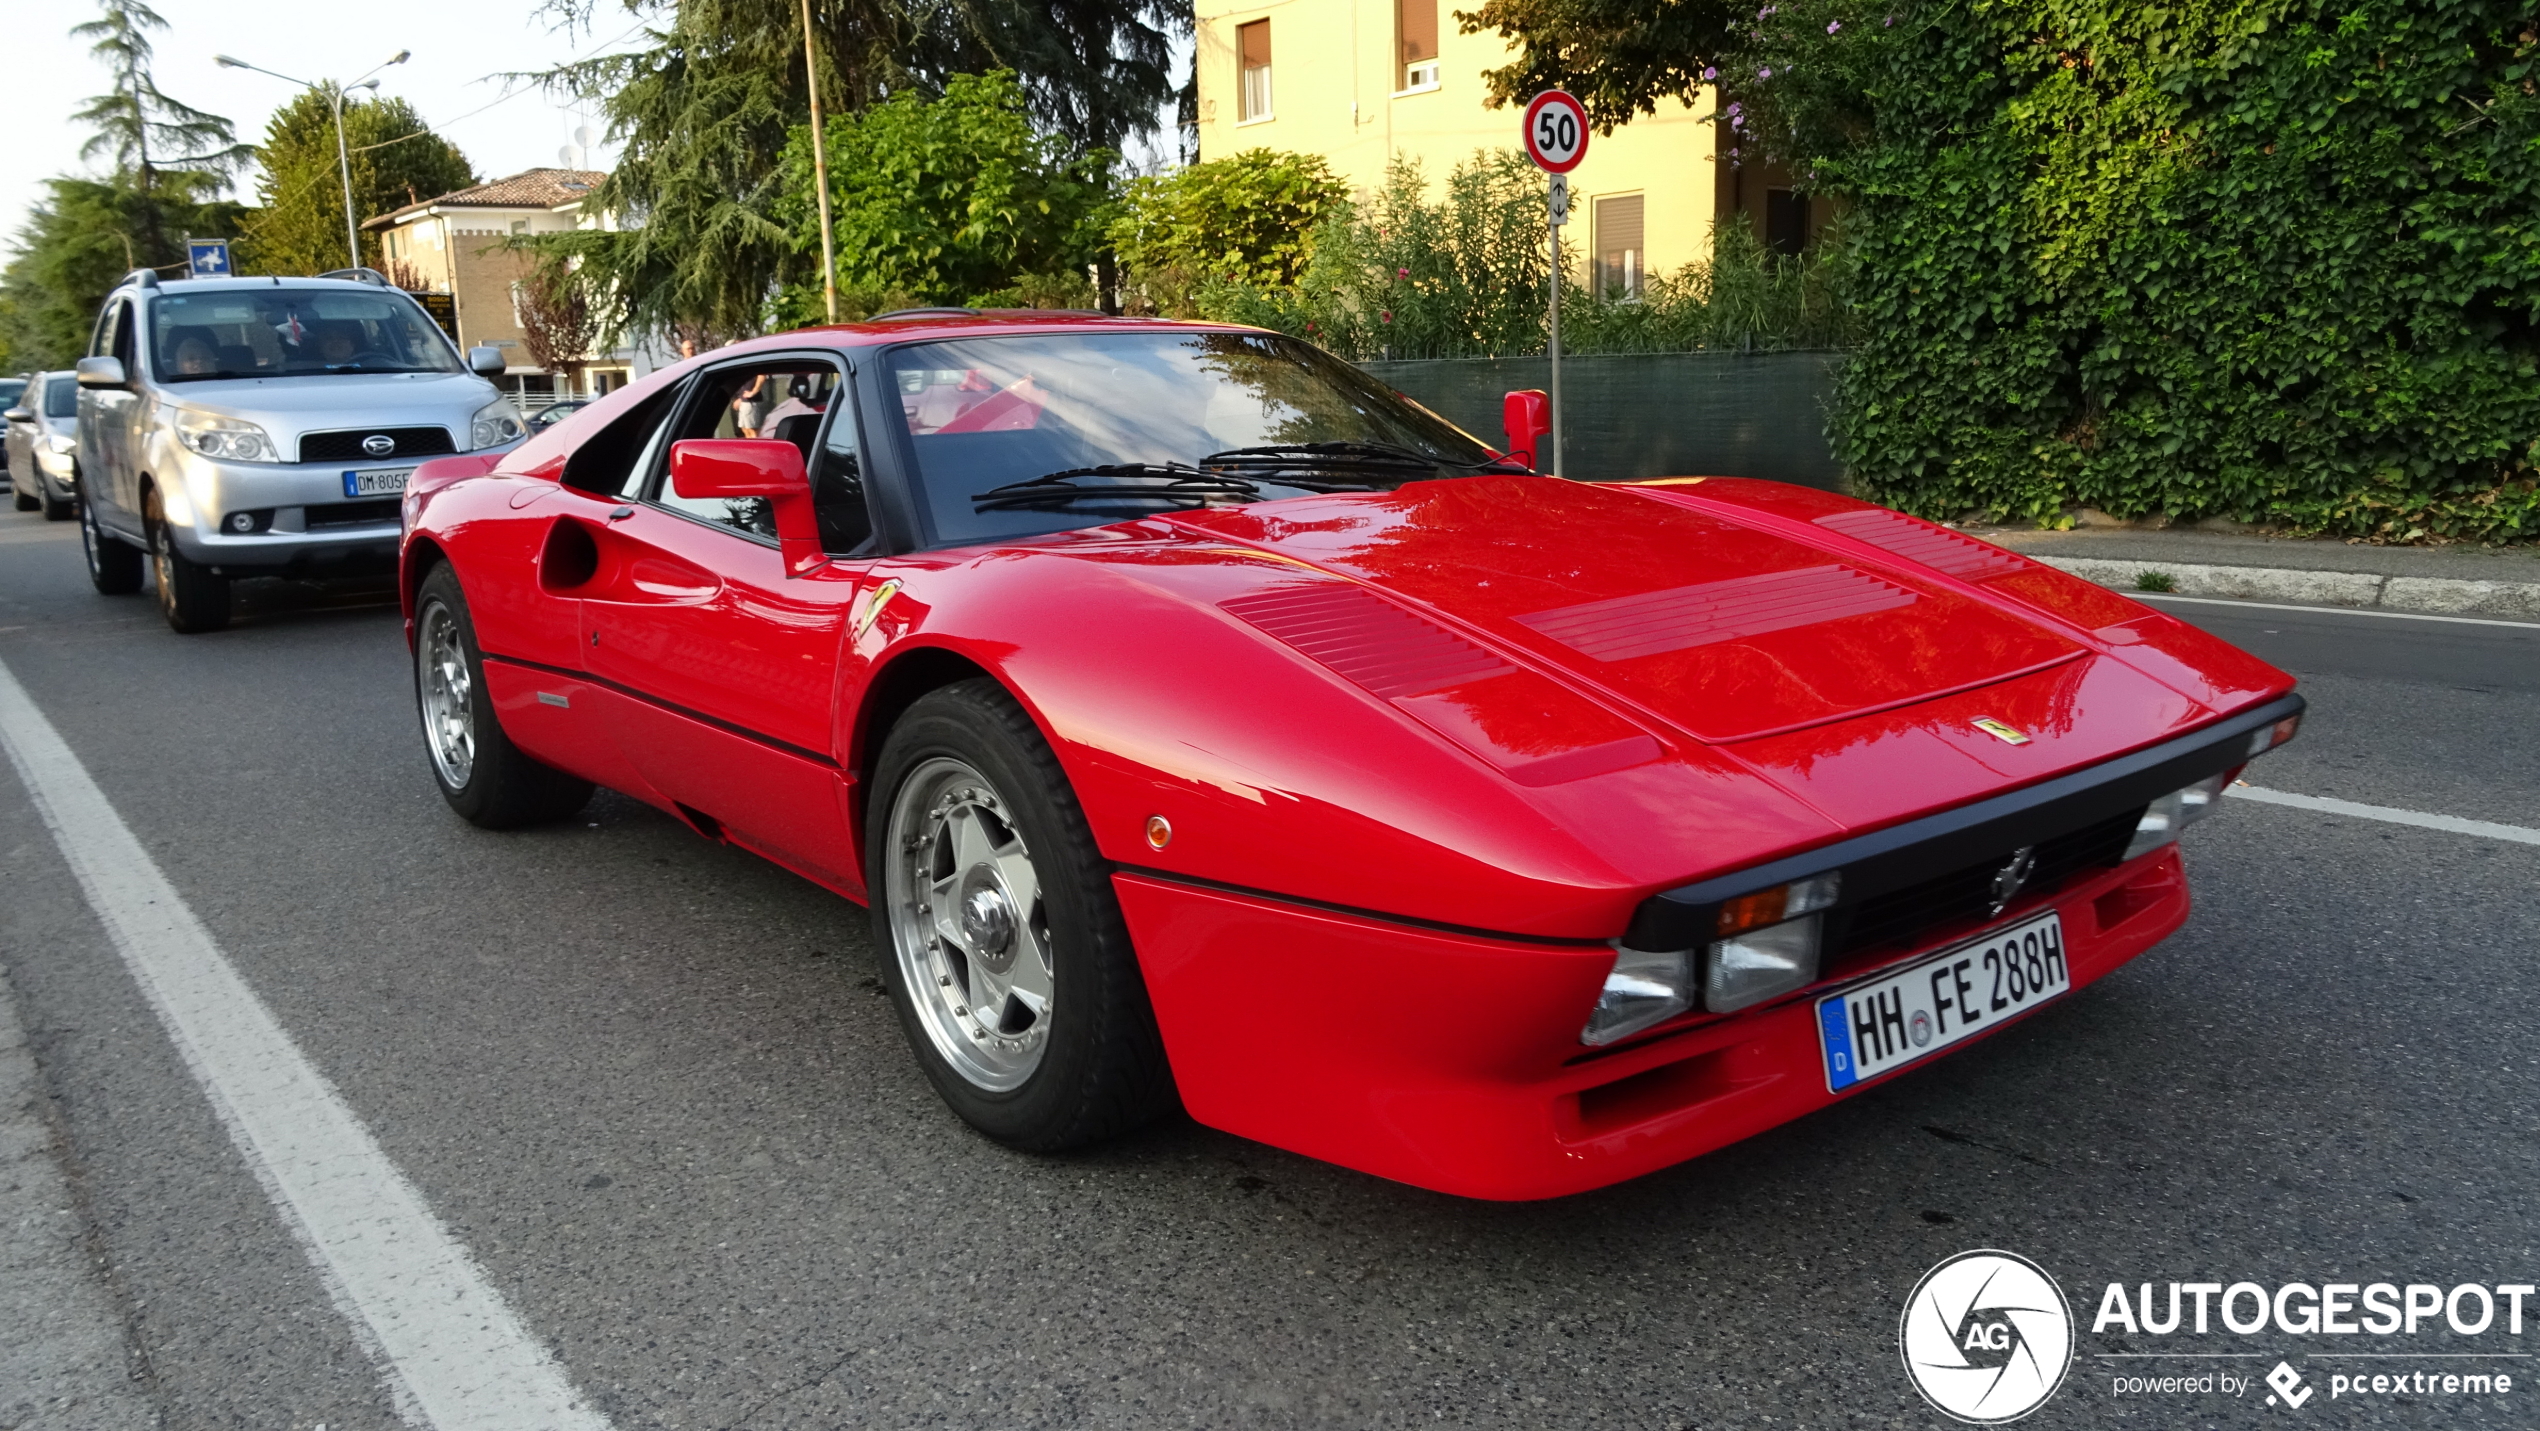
(621, 514)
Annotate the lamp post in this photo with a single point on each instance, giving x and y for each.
(343, 156)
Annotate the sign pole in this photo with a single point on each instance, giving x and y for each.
(820, 170)
(1556, 139)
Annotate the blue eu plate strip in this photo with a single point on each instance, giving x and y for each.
(348, 486)
(1841, 1070)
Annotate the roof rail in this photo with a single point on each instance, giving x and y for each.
(141, 278)
(898, 313)
(371, 276)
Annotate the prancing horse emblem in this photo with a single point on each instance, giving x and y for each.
(379, 444)
(2001, 730)
(2012, 877)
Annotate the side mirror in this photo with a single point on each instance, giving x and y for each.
(486, 360)
(1527, 414)
(709, 467)
(100, 373)
(18, 414)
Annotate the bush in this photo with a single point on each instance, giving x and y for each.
(1469, 276)
(1248, 218)
(2272, 261)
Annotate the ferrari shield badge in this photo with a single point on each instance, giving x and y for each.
(2001, 730)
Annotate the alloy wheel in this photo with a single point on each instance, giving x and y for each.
(445, 690)
(968, 924)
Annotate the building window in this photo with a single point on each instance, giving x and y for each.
(1415, 26)
(520, 226)
(1252, 42)
(1785, 221)
(1618, 246)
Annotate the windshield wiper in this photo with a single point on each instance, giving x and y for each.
(1368, 457)
(1162, 484)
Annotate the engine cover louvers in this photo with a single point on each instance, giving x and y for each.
(1961, 557)
(1684, 617)
(1368, 639)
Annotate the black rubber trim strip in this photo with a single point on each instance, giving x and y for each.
(1376, 915)
(700, 717)
(1917, 850)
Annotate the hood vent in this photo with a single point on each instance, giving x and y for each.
(1962, 557)
(1688, 616)
(1368, 639)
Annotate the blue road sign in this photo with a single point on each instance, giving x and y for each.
(207, 258)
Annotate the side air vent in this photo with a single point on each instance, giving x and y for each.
(1688, 616)
(1962, 557)
(1368, 639)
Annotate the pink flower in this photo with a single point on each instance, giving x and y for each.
(1833, 25)
(1765, 73)
(1402, 273)
(1710, 72)
(1386, 314)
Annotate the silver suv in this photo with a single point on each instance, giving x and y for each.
(246, 427)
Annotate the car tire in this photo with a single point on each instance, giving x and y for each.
(488, 780)
(26, 500)
(114, 567)
(193, 597)
(56, 509)
(969, 806)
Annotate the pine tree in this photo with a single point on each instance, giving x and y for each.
(145, 133)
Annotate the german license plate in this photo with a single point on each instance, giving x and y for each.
(380, 482)
(1936, 1001)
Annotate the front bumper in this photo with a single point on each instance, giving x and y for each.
(1452, 1061)
(309, 526)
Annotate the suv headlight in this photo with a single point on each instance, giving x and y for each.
(494, 424)
(225, 438)
(61, 446)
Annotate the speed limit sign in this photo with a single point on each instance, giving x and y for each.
(1556, 131)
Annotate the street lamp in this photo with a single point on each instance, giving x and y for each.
(343, 156)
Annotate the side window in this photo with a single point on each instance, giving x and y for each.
(123, 349)
(837, 485)
(784, 400)
(612, 462)
(101, 344)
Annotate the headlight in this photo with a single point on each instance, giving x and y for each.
(2165, 817)
(225, 438)
(61, 446)
(1768, 946)
(494, 424)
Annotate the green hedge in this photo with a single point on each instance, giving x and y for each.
(2266, 261)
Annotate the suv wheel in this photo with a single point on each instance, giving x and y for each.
(192, 597)
(113, 567)
(485, 777)
(23, 490)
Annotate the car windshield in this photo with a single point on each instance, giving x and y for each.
(61, 397)
(1015, 436)
(293, 332)
(11, 389)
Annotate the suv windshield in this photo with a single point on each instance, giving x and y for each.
(292, 332)
(1015, 436)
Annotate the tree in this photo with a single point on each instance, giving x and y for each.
(1620, 57)
(557, 322)
(1247, 218)
(77, 244)
(946, 200)
(395, 158)
(704, 112)
(144, 133)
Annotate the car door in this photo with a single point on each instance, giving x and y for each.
(109, 426)
(721, 667)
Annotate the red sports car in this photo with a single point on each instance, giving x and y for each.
(1201, 719)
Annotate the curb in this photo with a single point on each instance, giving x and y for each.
(2430, 594)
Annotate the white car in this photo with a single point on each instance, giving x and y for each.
(44, 445)
(247, 427)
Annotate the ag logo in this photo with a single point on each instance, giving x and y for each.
(1986, 1337)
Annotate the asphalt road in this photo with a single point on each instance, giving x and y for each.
(651, 1085)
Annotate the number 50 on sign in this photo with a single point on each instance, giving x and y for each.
(1556, 131)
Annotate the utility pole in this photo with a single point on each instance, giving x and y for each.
(820, 169)
(335, 94)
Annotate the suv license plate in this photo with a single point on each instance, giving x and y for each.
(385, 482)
(1928, 1005)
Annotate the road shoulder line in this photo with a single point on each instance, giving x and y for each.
(2327, 805)
(453, 1353)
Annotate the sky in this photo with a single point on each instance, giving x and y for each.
(461, 48)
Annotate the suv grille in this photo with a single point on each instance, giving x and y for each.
(1963, 896)
(347, 446)
(354, 514)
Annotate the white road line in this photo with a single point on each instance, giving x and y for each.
(2423, 821)
(2330, 610)
(454, 1355)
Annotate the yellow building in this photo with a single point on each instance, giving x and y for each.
(1360, 82)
